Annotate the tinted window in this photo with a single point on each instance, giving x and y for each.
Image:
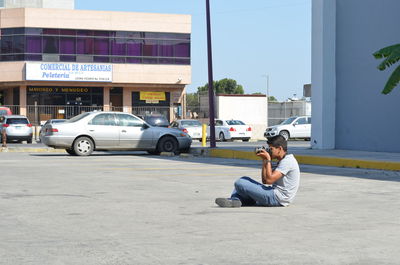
(301, 121)
(157, 121)
(3, 112)
(17, 121)
(106, 119)
(235, 122)
(79, 117)
(128, 120)
(289, 121)
(191, 123)
(218, 123)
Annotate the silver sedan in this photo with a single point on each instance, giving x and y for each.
(90, 131)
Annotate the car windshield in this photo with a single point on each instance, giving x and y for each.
(79, 117)
(3, 112)
(191, 123)
(289, 121)
(235, 122)
(58, 121)
(156, 120)
(17, 121)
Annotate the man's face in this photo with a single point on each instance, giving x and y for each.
(275, 151)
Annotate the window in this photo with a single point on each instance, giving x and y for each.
(218, 123)
(105, 119)
(86, 46)
(301, 121)
(128, 120)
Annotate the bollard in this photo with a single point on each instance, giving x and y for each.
(4, 138)
(204, 135)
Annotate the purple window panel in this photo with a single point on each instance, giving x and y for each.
(50, 44)
(51, 32)
(67, 45)
(182, 61)
(101, 59)
(84, 32)
(150, 48)
(18, 44)
(166, 49)
(33, 44)
(150, 60)
(67, 58)
(133, 60)
(101, 33)
(118, 59)
(166, 61)
(118, 47)
(101, 47)
(84, 46)
(182, 49)
(67, 32)
(6, 45)
(134, 47)
(33, 57)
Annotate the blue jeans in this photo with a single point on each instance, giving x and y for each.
(253, 193)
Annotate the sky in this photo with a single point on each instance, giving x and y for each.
(252, 41)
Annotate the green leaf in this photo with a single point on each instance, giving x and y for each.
(393, 58)
(393, 81)
(385, 52)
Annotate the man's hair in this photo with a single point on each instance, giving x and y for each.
(277, 141)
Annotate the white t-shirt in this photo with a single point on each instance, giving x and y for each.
(286, 187)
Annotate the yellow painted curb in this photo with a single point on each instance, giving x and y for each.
(313, 160)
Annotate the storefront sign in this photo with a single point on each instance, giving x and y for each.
(152, 96)
(81, 72)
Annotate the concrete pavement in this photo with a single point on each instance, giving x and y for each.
(303, 153)
(141, 209)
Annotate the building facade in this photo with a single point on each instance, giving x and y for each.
(56, 63)
(349, 111)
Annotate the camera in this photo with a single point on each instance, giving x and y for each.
(260, 148)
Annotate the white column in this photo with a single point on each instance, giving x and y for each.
(323, 77)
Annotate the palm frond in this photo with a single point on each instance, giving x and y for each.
(385, 52)
(393, 81)
(393, 58)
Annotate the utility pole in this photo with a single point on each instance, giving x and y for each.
(210, 79)
(267, 77)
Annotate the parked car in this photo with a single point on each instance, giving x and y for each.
(231, 130)
(91, 131)
(51, 121)
(17, 127)
(191, 127)
(5, 111)
(293, 127)
(156, 120)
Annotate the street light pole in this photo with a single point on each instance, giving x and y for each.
(267, 76)
(210, 79)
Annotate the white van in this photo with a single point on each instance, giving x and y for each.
(293, 127)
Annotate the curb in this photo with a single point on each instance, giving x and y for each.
(31, 150)
(305, 159)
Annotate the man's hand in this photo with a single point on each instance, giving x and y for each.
(264, 155)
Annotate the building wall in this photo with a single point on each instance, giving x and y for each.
(363, 118)
(252, 110)
(94, 20)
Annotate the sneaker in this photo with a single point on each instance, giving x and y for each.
(227, 202)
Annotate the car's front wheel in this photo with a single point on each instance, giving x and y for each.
(285, 134)
(83, 146)
(168, 144)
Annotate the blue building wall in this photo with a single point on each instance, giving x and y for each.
(365, 118)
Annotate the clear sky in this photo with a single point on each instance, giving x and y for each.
(250, 40)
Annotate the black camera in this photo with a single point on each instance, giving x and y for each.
(260, 148)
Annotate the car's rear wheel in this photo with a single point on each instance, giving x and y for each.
(285, 134)
(222, 137)
(168, 144)
(70, 151)
(29, 141)
(83, 146)
(245, 140)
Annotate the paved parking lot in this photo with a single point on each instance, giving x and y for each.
(140, 209)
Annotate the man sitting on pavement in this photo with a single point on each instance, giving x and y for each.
(284, 180)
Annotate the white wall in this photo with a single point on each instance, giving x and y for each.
(64, 4)
(251, 109)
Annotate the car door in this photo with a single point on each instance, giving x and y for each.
(132, 133)
(104, 130)
(301, 127)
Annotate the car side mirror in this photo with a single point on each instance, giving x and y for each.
(145, 126)
(294, 124)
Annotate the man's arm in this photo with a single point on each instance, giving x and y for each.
(267, 175)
